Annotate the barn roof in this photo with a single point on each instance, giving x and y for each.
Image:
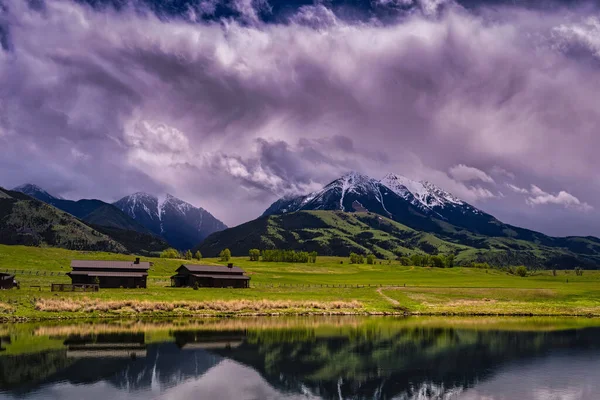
(218, 276)
(101, 264)
(110, 273)
(211, 269)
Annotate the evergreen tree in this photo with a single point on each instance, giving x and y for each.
(198, 255)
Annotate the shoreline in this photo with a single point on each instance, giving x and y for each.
(282, 314)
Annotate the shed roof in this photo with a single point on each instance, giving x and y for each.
(101, 264)
(210, 269)
(110, 273)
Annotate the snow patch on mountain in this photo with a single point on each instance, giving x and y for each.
(424, 192)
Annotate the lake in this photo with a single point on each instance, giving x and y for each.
(303, 358)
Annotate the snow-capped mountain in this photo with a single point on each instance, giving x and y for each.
(36, 192)
(418, 204)
(181, 224)
(356, 192)
(342, 194)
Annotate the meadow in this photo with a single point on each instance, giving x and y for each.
(330, 286)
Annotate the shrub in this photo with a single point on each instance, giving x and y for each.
(198, 255)
(449, 261)
(225, 255)
(370, 259)
(254, 254)
(196, 286)
(356, 258)
(521, 271)
(404, 260)
(188, 255)
(437, 262)
(170, 253)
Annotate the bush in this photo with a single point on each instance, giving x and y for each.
(170, 253)
(437, 262)
(254, 254)
(521, 271)
(482, 265)
(404, 260)
(225, 255)
(356, 258)
(188, 255)
(198, 255)
(371, 259)
(196, 286)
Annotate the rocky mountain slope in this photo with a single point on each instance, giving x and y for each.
(181, 224)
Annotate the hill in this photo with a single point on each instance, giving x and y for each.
(27, 221)
(340, 233)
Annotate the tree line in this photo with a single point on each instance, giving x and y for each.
(186, 255)
(277, 255)
(425, 260)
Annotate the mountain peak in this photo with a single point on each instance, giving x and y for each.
(36, 192)
(181, 224)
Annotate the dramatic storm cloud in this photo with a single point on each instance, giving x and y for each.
(230, 105)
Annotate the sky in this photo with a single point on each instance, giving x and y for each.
(231, 104)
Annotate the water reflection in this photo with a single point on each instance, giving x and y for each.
(324, 359)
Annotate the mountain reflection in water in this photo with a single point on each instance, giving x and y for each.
(365, 359)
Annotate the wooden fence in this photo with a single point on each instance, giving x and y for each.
(61, 287)
(324, 285)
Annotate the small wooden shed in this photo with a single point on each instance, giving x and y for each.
(7, 281)
(215, 276)
(110, 274)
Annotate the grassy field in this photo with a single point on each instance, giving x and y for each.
(327, 287)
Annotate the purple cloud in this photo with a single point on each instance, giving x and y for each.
(101, 103)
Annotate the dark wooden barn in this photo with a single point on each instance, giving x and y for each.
(210, 276)
(7, 281)
(110, 274)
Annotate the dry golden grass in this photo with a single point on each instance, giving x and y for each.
(5, 308)
(87, 305)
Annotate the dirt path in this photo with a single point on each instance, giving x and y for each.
(388, 298)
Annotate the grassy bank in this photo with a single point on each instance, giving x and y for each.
(331, 286)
